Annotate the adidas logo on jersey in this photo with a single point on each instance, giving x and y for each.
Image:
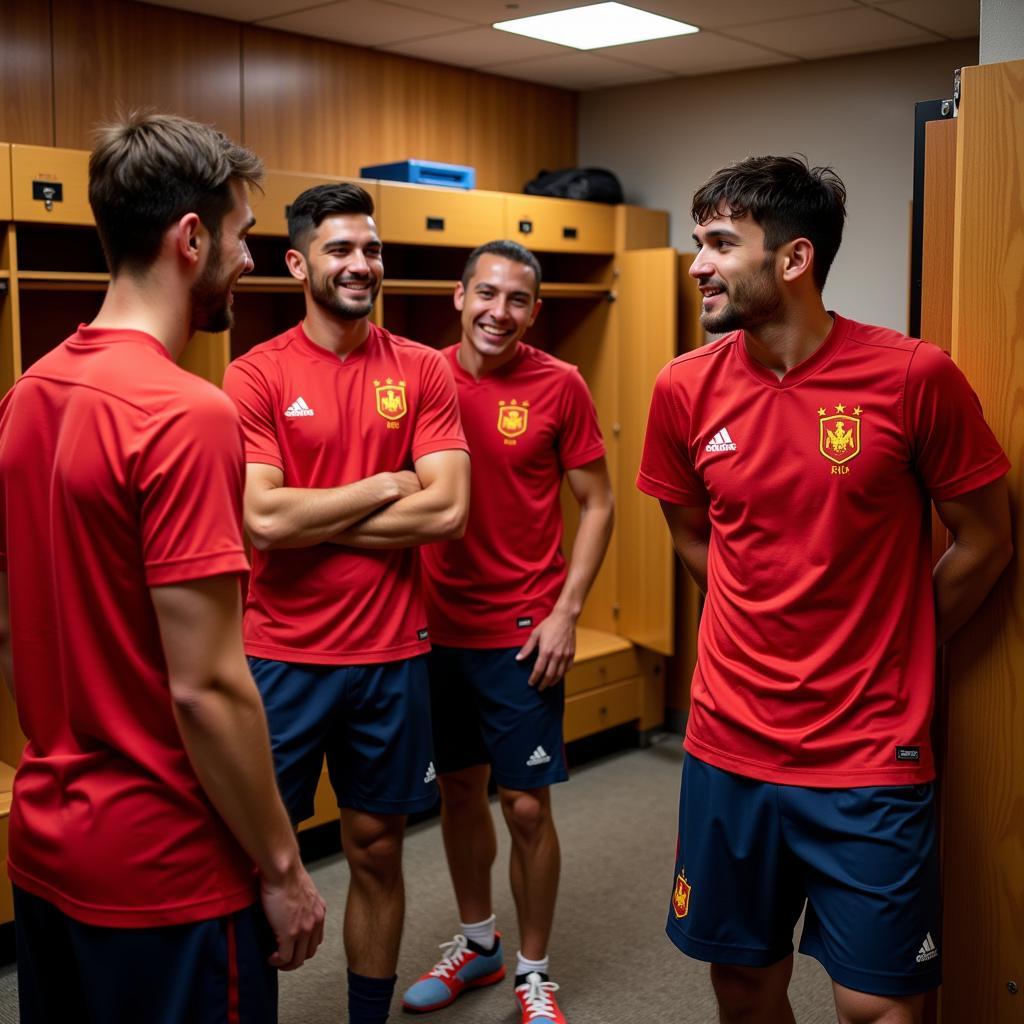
(539, 756)
(298, 408)
(928, 950)
(721, 442)
(431, 773)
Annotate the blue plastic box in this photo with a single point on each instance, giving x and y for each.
(423, 172)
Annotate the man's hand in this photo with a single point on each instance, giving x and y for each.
(296, 914)
(407, 483)
(555, 642)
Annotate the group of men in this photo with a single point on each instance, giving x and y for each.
(412, 620)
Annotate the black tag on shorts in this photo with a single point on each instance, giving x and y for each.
(525, 621)
(908, 753)
(422, 634)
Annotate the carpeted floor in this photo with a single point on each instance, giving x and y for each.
(609, 952)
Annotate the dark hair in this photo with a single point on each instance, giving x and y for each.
(786, 197)
(509, 250)
(148, 170)
(320, 201)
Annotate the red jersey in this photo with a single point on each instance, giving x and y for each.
(527, 423)
(816, 653)
(119, 471)
(325, 422)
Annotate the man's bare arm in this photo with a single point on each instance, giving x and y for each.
(437, 512)
(691, 531)
(555, 637)
(224, 730)
(979, 522)
(6, 659)
(296, 517)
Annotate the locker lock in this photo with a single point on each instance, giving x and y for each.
(49, 192)
(1011, 987)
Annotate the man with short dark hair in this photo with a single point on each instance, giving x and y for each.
(355, 456)
(146, 792)
(503, 607)
(796, 460)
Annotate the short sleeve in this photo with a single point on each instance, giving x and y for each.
(438, 425)
(666, 471)
(189, 481)
(952, 447)
(249, 390)
(579, 438)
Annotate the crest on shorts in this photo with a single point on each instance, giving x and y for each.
(839, 435)
(391, 399)
(681, 895)
(512, 417)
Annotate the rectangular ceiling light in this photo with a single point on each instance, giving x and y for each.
(587, 28)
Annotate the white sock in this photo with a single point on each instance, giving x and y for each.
(482, 933)
(524, 966)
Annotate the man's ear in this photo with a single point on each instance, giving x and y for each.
(797, 259)
(459, 298)
(189, 237)
(296, 264)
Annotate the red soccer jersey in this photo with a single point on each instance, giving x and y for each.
(119, 471)
(325, 422)
(816, 653)
(526, 423)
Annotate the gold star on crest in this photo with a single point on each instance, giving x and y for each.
(526, 405)
(821, 410)
(857, 410)
(376, 383)
(388, 380)
(840, 407)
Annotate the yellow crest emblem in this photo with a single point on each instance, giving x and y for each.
(390, 399)
(839, 435)
(681, 896)
(513, 417)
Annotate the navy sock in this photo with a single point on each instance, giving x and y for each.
(369, 999)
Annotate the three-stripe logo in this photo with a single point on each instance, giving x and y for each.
(298, 408)
(721, 442)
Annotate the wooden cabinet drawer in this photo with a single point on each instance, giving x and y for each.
(600, 709)
(280, 190)
(586, 675)
(419, 215)
(560, 225)
(5, 181)
(35, 169)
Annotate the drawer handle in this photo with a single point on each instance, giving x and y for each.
(49, 192)
(569, 232)
(526, 227)
(435, 223)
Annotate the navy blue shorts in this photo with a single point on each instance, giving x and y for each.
(864, 860)
(210, 972)
(484, 711)
(372, 722)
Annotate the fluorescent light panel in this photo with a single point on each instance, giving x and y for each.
(587, 28)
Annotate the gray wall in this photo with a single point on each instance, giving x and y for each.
(1002, 31)
(855, 113)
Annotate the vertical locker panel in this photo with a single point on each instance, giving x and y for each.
(207, 355)
(983, 786)
(647, 324)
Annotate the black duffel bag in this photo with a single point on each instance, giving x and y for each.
(591, 183)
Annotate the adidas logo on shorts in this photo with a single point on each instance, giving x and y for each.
(431, 774)
(539, 756)
(928, 950)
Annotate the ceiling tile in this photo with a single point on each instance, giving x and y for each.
(581, 71)
(827, 35)
(236, 10)
(738, 12)
(487, 12)
(364, 23)
(700, 54)
(957, 19)
(477, 48)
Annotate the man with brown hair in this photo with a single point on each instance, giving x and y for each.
(146, 792)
